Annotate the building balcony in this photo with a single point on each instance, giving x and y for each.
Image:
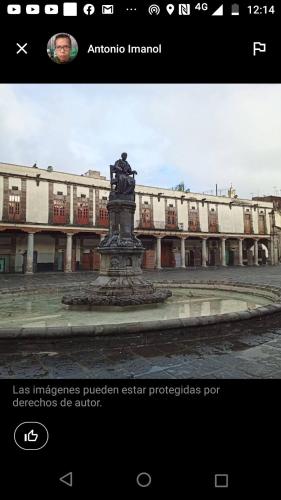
(143, 224)
(158, 225)
(59, 219)
(102, 224)
(82, 221)
(213, 228)
(194, 228)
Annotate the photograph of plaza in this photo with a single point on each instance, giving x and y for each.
(140, 231)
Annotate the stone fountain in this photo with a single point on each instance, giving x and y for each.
(120, 281)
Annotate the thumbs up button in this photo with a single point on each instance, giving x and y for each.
(31, 436)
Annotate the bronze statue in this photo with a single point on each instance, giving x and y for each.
(123, 182)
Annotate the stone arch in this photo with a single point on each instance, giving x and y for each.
(11, 256)
(45, 246)
(263, 251)
(232, 251)
(170, 252)
(248, 252)
(213, 251)
(193, 251)
(149, 257)
(85, 244)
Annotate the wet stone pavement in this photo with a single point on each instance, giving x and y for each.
(244, 349)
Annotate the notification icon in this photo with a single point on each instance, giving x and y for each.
(32, 9)
(13, 9)
(51, 9)
(184, 9)
(89, 9)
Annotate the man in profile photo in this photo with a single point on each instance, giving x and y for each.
(62, 49)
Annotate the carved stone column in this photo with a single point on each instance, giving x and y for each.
(30, 253)
(256, 254)
(68, 263)
(183, 253)
(204, 252)
(158, 252)
(240, 242)
(223, 262)
(271, 256)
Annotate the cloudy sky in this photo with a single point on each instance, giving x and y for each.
(199, 134)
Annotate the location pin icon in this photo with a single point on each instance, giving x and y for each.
(170, 8)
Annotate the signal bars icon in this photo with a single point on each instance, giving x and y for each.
(219, 11)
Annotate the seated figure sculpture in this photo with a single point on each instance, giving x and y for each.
(123, 182)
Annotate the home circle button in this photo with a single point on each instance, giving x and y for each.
(143, 479)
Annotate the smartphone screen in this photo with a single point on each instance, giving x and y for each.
(140, 248)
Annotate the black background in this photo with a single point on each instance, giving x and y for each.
(196, 48)
(181, 441)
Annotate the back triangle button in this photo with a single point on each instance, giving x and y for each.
(67, 479)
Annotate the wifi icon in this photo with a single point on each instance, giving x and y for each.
(154, 10)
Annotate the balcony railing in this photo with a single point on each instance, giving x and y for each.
(213, 228)
(140, 224)
(194, 228)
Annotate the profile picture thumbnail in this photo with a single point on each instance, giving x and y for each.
(62, 48)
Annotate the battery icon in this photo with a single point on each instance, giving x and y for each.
(235, 9)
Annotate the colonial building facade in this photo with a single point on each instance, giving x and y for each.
(54, 221)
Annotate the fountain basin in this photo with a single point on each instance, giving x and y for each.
(28, 314)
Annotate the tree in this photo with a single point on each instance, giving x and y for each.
(181, 187)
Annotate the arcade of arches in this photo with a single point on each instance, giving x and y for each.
(31, 250)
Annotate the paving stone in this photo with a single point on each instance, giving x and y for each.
(110, 373)
(150, 351)
(228, 374)
(30, 370)
(276, 344)
(162, 374)
(260, 352)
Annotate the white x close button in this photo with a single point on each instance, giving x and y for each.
(21, 48)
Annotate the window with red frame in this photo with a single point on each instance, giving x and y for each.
(171, 218)
(82, 213)
(14, 207)
(103, 217)
(146, 218)
(59, 212)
